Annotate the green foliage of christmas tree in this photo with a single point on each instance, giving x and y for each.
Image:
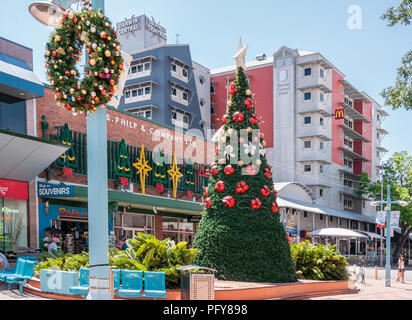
(240, 234)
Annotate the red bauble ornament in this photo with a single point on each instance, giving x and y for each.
(253, 119)
(265, 191)
(220, 186)
(229, 201)
(249, 103)
(229, 170)
(268, 174)
(238, 117)
(214, 170)
(256, 204)
(232, 88)
(208, 203)
(242, 187)
(251, 170)
(225, 118)
(275, 207)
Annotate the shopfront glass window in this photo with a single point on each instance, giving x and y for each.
(178, 230)
(13, 224)
(129, 224)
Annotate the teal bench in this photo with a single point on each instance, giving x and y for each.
(23, 274)
(83, 287)
(154, 285)
(132, 284)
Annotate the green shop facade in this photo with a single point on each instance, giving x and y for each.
(157, 192)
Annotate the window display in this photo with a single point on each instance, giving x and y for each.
(178, 230)
(13, 224)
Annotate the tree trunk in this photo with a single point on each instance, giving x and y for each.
(404, 236)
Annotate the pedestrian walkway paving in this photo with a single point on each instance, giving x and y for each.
(13, 294)
(376, 290)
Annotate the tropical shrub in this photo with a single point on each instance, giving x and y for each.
(145, 253)
(318, 262)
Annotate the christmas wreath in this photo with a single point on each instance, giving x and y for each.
(104, 66)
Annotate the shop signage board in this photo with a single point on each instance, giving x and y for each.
(156, 28)
(128, 25)
(395, 216)
(291, 224)
(194, 219)
(340, 114)
(14, 189)
(381, 218)
(46, 190)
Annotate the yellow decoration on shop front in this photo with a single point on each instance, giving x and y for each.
(175, 175)
(143, 169)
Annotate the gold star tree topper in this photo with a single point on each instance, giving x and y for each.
(240, 55)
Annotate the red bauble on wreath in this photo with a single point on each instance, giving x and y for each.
(232, 88)
(275, 207)
(249, 103)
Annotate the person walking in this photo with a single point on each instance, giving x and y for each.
(4, 263)
(401, 268)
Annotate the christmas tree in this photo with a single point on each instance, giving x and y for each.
(240, 234)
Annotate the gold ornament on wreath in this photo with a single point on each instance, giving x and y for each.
(104, 66)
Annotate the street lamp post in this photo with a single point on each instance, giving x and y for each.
(389, 203)
(47, 13)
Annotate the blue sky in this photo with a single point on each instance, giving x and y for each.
(368, 57)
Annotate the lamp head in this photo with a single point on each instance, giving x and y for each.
(403, 203)
(375, 203)
(48, 12)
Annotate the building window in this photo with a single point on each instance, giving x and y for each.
(321, 145)
(185, 96)
(321, 192)
(308, 72)
(178, 230)
(321, 74)
(321, 216)
(202, 102)
(308, 168)
(321, 97)
(321, 122)
(308, 120)
(305, 214)
(212, 109)
(308, 144)
(330, 218)
(321, 169)
(308, 96)
(145, 114)
(348, 204)
(202, 79)
(212, 89)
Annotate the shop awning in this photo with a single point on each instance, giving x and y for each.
(18, 82)
(336, 232)
(315, 208)
(371, 235)
(147, 203)
(23, 157)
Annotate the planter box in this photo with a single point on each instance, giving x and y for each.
(58, 282)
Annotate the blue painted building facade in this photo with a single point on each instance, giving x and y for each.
(161, 86)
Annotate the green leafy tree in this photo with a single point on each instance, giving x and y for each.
(240, 234)
(397, 172)
(400, 94)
